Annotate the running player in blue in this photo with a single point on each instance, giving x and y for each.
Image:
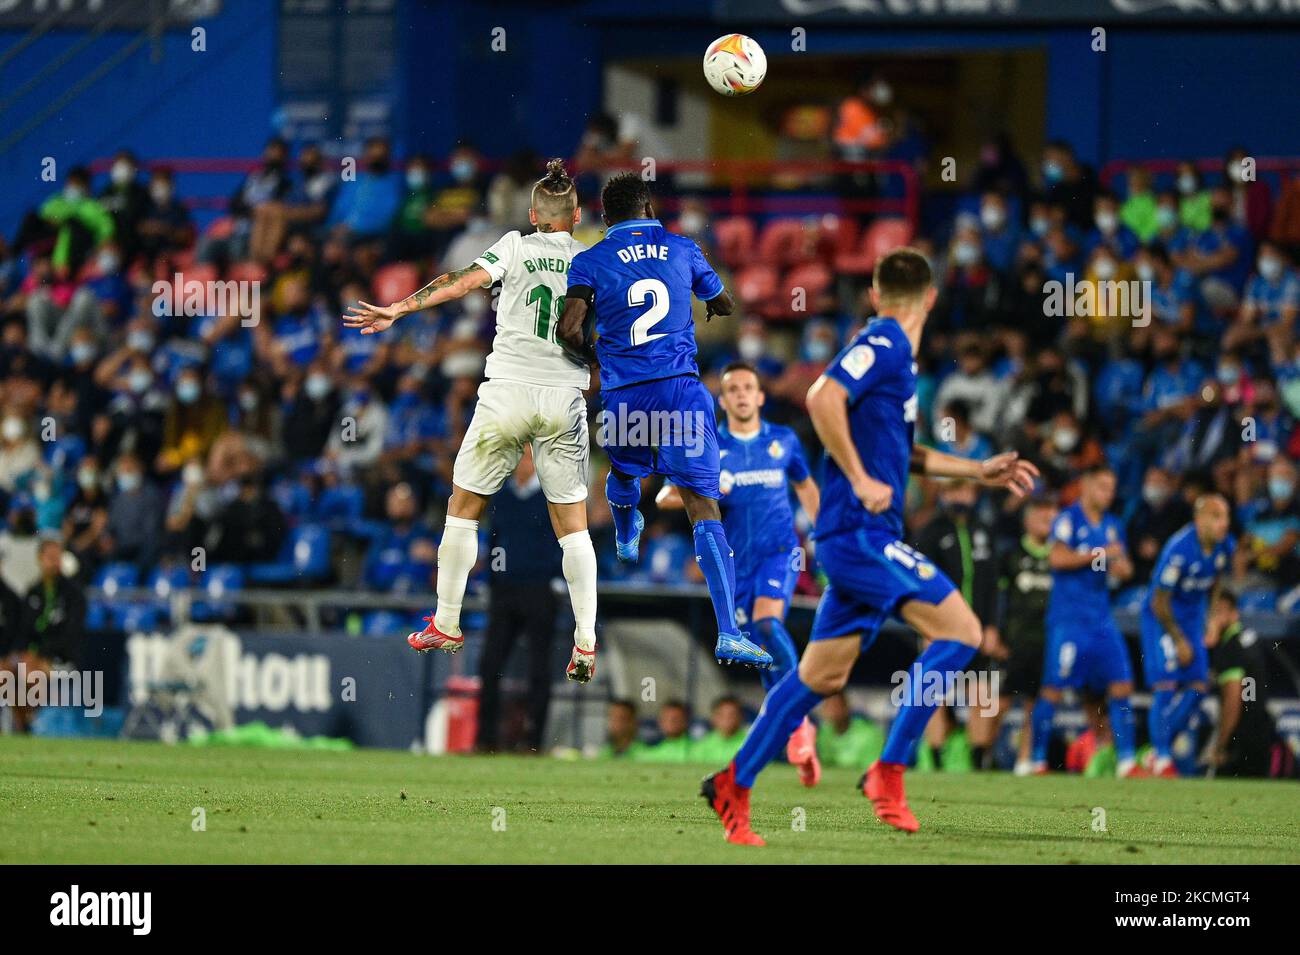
(760, 462)
(864, 409)
(1175, 660)
(1085, 650)
(657, 416)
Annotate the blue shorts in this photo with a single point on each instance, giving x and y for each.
(1160, 659)
(666, 427)
(871, 574)
(1085, 656)
(773, 576)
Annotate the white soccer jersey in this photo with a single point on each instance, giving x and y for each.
(533, 271)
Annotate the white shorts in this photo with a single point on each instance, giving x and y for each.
(511, 414)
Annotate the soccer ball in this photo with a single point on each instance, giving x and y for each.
(734, 64)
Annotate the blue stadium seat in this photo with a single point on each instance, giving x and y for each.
(218, 583)
(293, 499)
(1258, 601)
(304, 557)
(115, 576)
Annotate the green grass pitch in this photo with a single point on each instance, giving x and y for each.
(118, 802)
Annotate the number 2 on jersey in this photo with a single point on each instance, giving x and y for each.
(639, 293)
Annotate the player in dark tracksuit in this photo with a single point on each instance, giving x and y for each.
(961, 546)
(1025, 582)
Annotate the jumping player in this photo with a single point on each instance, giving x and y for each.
(1174, 654)
(1085, 650)
(657, 416)
(864, 409)
(533, 395)
(760, 462)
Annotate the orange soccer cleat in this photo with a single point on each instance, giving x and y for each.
(731, 802)
(883, 785)
(802, 753)
(431, 638)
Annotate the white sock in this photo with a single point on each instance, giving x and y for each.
(580, 572)
(456, 556)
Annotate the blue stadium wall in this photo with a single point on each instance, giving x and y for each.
(1153, 93)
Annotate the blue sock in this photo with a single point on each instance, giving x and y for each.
(1124, 727)
(784, 708)
(1041, 720)
(776, 640)
(946, 657)
(623, 495)
(1158, 721)
(1185, 706)
(715, 558)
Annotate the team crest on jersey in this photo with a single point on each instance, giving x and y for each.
(774, 450)
(925, 571)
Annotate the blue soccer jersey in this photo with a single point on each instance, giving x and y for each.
(879, 373)
(756, 471)
(1188, 574)
(1080, 597)
(642, 277)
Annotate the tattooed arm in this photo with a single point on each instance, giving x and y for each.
(451, 285)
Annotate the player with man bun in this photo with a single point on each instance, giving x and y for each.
(533, 395)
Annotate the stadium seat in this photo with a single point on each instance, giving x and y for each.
(785, 242)
(814, 278)
(394, 282)
(882, 236)
(1258, 601)
(755, 285)
(734, 239)
(116, 576)
(836, 236)
(219, 582)
(385, 623)
(304, 557)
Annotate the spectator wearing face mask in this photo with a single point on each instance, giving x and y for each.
(1109, 229)
(311, 412)
(458, 197)
(365, 206)
(194, 421)
(1251, 201)
(1066, 452)
(1069, 184)
(358, 440)
(1000, 238)
(1220, 256)
(975, 386)
(126, 199)
(300, 207)
(1000, 170)
(166, 225)
(73, 221)
(56, 307)
(1170, 230)
(973, 294)
(1138, 213)
(1111, 303)
(1172, 291)
(1268, 309)
(19, 452)
(135, 514)
(401, 558)
(411, 237)
(86, 517)
(1194, 206)
(819, 346)
(1270, 543)
(1159, 514)
(954, 434)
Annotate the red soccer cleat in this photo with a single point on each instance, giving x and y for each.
(1167, 771)
(431, 638)
(884, 787)
(802, 753)
(1134, 771)
(731, 803)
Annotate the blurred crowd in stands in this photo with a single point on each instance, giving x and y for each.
(143, 422)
